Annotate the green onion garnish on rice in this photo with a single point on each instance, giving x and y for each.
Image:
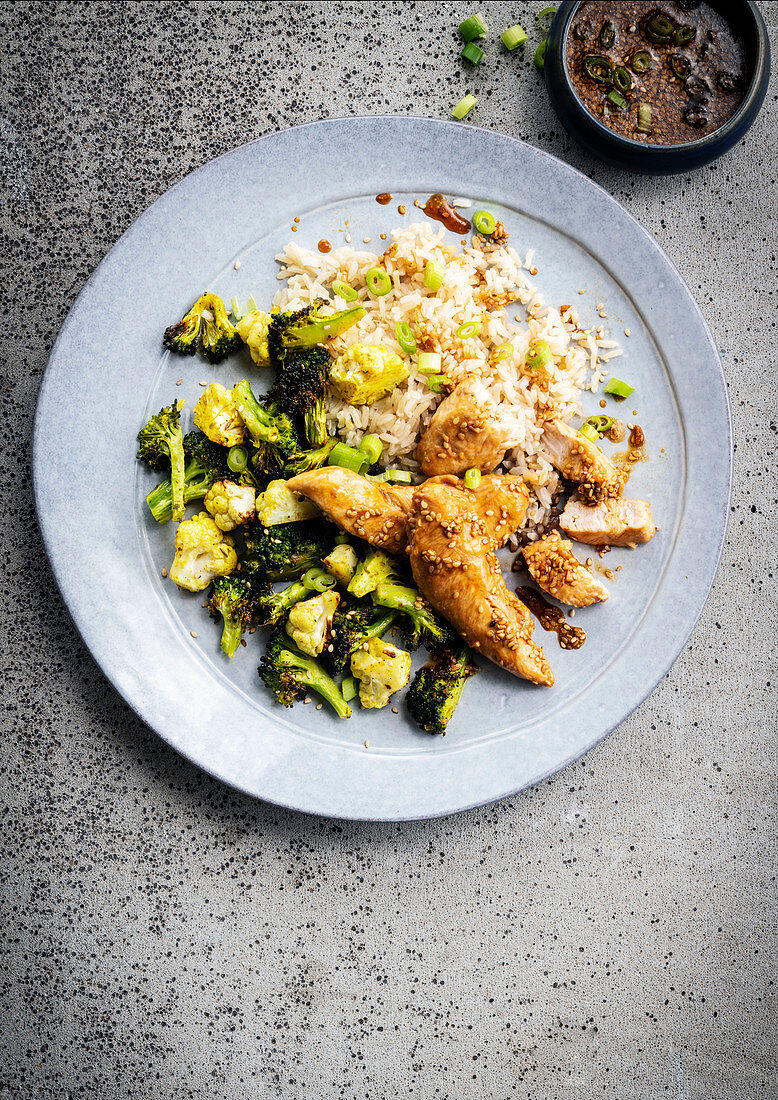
(405, 337)
(504, 351)
(378, 282)
(513, 37)
(348, 457)
(437, 382)
(618, 388)
(398, 475)
(465, 105)
(429, 362)
(371, 447)
(474, 27)
(538, 355)
(344, 291)
(468, 330)
(433, 275)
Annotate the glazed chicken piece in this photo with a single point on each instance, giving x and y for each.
(578, 459)
(502, 501)
(556, 570)
(457, 570)
(613, 522)
(373, 511)
(466, 432)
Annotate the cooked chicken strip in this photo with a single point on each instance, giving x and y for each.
(373, 511)
(558, 571)
(466, 432)
(456, 569)
(578, 459)
(502, 502)
(613, 522)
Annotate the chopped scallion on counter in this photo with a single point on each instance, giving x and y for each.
(429, 362)
(348, 457)
(546, 18)
(589, 432)
(464, 107)
(371, 447)
(472, 478)
(474, 27)
(472, 53)
(468, 330)
(237, 459)
(484, 222)
(538, 355)
(437, 382)
(540, 55)
(378, 282)
(513, 37)
(405, 337)
(433, 275)
(618, 388)
(344, 291)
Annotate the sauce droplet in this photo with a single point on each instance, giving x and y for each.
(324, 246)
(384, 198)
(440, 209)
(552, 618)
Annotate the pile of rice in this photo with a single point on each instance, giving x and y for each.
(481, 281)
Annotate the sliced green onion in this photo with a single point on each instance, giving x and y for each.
(474, 27)
(250, 306)
(540, 55)
(405, 337)
(616, 99)
(589, 433)
(607, 35)
(472, 53)
(344, 291)
(546, 18)
(484, 222)
(235, 309)
(433, 275)
(622, 80)
(436, 382)
(504, 351)
(348, 457)
(237, 459)
(465, 105)
(399, 476)
(597, 68)
(640, 61)
(513, 37)
(429, 362)
(684, 34)
(601, 423)
(378, 282)
(472, 478)
(372, 447)
(644, 119)
(348, 689)
(538, 355)
(342, 538)
(468, 329)
(318, 580)
(619, 388)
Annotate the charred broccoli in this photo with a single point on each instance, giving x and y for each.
(377, 568)
(290, 675)
(272, 431)
(300, 382)
(304, 328)
(425, 626)
(302, 461)
(205, 328)
(287, 550)
(234, 601)
(352, 625)
(206, 463)
(437, 688)
(161, 443)
(272, 606)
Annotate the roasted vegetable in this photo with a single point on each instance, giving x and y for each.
(203, 552)
(437, 688)
(353, 624)
(278, 504)
(160, 445)
(382, 669)
(217, 415)
(288, 550)
(205, 328)
(253, 331)
(290, 675)
(364, 373)
(310, 622)
(205, 463)
(423, 626)
(234, 602)
(231, 505)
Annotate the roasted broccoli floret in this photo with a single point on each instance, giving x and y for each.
(364, 373)
(382, 669)
(353, 624)
(231, 505)
(161, 443)
(265, 422)
(203, 552)
(205, 463)
(288, 550)
(299, 389)
(437, 688)
(205, 328)
(310, 622)
(272, 606)
(290, 675)
(302, 461)
(307, 327)
(424, 626)
(278, 504)
(377, 568)
(216, 414)
(253, 330)
(233, 600)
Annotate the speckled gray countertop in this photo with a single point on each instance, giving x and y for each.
(610, 933)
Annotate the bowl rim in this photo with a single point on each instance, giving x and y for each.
(757, 69)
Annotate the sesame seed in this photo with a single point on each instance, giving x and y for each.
(367, 744)
(348, 238)
(193, 633)
(395, 710)
(164, 572)
(366, 240)
(236, 265)
(202, 383)
(581, 291)
(626, 332)
(178, 383)
(307, 699)
(319, 706)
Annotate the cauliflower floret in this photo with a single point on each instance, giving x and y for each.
(216, 414)
(366, 372)
(230, 505)
(279, 504)
(253, 329)
(381, 669)
(310, 622)
(342, 563)
(202, 553)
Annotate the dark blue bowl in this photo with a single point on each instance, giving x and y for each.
(637, 156)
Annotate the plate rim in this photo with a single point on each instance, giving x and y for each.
(76, 616)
